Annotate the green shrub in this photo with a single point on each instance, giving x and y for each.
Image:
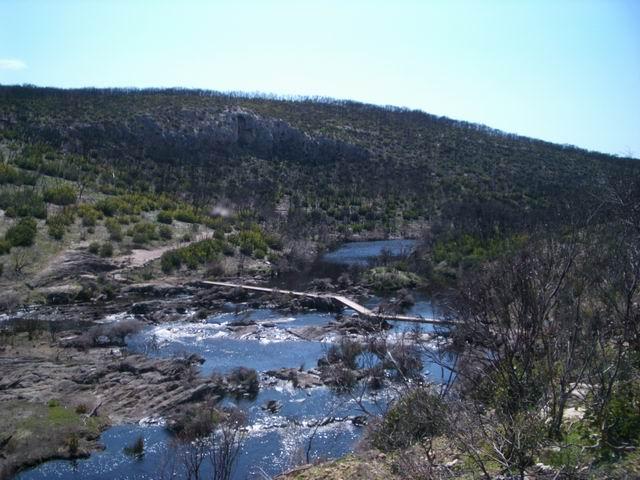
(61, 195)
(346, 351)
(198, 253)
(22, 234)
(57, 223)
(89, 214)
(165, 232)
(414, 417)
(143, 232)
(165, 217)
(8, 174)
(136, 449)
(388, 278)
(5, 246)
(56, 231)
(29, 162)
(23, 203)
(186, 215)
(170, 261)
(246, 379)
(94, 248)
(106, 249)
(114, 228)
(250, 241)
(621, 419)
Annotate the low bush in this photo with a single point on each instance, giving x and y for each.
(23, 203)
(57, 224)
(165, 217)
(56, 230)
(165, 232)
(143, 232)
(186, 215)
(89, 215)
(388, 279)
(5, 247)
(199, 253)
(114, 228)
(416, 416)
(106, 249)
(246, 379)
(60, 195)
(22, 234)
(346, 351)
(136, 449)
(8, 174)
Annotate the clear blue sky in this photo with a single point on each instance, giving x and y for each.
(564, 71)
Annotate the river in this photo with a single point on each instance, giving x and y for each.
(274, 441)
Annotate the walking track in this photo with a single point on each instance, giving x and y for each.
(344, 301)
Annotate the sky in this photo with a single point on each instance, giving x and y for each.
(563, 71)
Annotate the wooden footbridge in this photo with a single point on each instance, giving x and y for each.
(340, 299)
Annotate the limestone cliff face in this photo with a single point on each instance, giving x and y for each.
(198, 136)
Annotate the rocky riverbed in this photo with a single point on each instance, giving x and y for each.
(145, 353)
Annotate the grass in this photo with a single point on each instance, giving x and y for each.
(54, 417)
(39, 432)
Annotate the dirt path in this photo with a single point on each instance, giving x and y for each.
(140, 256)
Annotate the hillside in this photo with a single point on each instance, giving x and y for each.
(334, 165)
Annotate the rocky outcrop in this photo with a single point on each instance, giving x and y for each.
(198, 135)
(299, 378)
(72, 264)
(126, 389)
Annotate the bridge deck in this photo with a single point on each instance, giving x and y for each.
(347, 302)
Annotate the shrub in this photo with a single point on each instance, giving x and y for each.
(106, 249)
(23, 203)
(56, 231)
(250, 241)
(405, 359)
(22, 234)
(89, 214)
(245, 378)
(388, 278)
(61, 195)
(170, 261)
(165, 217)
(417, 415)
(30, 162)
(165, 232)
(136, 449)
(8, 174)
(94, 248)
(73, 443)
(346, 351)
(114, 228)
(143, 232)
(186, 215)
(192, 424)
(5, 247)
(198, 253)
(57, 224)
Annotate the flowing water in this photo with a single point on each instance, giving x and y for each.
(275, 441)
